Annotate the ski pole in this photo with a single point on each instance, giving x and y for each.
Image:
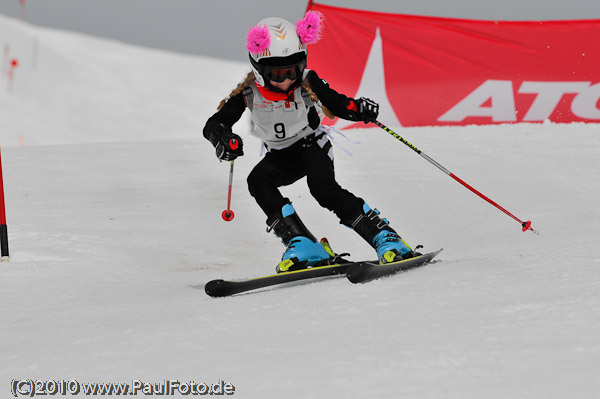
(228, 214)
(526, 225)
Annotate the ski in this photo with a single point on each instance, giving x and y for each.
(356, 272)
(222, 288)
(363, 272)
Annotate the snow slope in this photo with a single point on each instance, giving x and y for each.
(114, 203)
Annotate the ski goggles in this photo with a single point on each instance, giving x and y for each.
(279, 74)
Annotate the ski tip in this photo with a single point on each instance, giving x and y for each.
(212, 288)
(357, 271)
(363, 272)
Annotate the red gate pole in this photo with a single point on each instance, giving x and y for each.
(22, 10)
(3, 228)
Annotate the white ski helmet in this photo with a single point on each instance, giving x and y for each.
(276, 52)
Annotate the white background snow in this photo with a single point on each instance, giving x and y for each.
(114, 202)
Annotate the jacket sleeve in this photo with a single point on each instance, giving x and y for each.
(330, 98)
(225, 118)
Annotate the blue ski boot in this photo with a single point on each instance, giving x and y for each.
(389, 245)
(302, 249)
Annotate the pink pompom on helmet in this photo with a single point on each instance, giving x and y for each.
(258, 39)
(309, 27)
(277, 48)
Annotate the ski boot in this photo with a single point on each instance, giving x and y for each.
(389, 245)
(302, 249)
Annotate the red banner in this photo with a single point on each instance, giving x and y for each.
(441, 71)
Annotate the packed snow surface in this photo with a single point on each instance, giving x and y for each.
(114, 201)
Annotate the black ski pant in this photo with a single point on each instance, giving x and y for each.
(305, 158)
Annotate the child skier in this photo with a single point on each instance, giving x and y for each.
(287, 102)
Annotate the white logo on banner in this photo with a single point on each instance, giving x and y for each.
(499, 95)
(372, 85)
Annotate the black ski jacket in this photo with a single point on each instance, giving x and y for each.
(234, 108)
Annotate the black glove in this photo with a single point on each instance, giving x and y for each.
(228, 145)
(363, 109)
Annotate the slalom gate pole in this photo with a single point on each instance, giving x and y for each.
(228, 214)
(3, 228)
(525, 225)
